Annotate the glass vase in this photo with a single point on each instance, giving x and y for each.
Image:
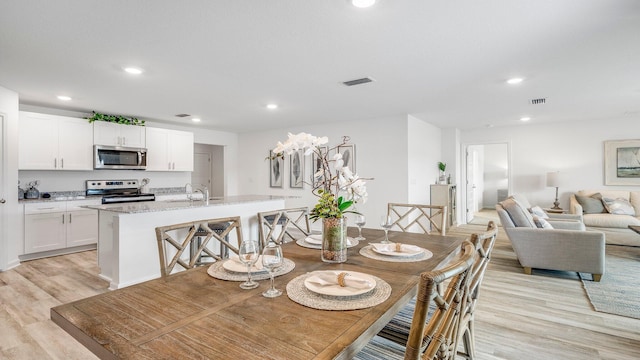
(334, 240)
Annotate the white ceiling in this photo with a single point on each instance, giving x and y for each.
(445, 61)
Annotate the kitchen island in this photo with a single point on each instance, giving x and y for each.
(127, 245)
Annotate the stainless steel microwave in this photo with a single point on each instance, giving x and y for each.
(118, 157)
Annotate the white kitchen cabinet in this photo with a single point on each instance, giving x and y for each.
(59, 224)
(169, 150)
(113, 134)
(51, 142)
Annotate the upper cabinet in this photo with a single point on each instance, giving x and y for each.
(51, 142)
(169, 150)
(112, 134)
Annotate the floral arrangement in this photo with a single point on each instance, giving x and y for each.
(331, 179)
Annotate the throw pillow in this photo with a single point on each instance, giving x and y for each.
(619, 206)
(537, 211)
(518, 213)
(542, 223)
(591, 204)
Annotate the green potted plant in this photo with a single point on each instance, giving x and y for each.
(118, 119)
(442, 167)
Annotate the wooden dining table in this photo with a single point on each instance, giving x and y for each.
(192, 315)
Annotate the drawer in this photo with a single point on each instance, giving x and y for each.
(75, 205)
(45, 207)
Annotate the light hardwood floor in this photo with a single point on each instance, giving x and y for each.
(543, 316)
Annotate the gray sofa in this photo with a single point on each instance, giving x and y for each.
(566, 246)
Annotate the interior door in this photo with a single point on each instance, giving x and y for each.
(471, 183)
(202, 170)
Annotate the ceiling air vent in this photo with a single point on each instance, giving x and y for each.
(182, 115)
(358, 81)
(538, 101)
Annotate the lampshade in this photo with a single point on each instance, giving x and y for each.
(553, 179)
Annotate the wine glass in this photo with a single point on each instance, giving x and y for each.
(360, 221)
(271, 260)
(386, 223)
(248, 255)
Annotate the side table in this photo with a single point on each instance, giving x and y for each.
(555, 211)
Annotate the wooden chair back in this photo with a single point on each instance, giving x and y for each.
(483, 243)
(283, 225)
(428, 218)
(439, 336)
(182, 240)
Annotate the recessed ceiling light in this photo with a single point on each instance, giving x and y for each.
(195, 120)
(514, 81)
(363, 3)
(64, 98)
(133, 70)
(272, 106)
(525, 118)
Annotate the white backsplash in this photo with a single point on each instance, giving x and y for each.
(51, 180)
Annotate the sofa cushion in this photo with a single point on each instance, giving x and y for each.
(537, 211)
(610, 221)
(518, 213)
(541, 223)
(618, 206)
(591, 204)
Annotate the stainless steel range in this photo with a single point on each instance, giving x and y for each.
(118, 191)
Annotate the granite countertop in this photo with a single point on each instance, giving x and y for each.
(154, 206)
(81, 195)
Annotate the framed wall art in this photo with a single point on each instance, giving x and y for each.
(622, 162)
(316, 164)
(296, 170)
(276, 170)
(348, 152)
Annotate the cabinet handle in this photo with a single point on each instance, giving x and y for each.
(63, 218)
(169, 165)
(62, 163)
(69, 218)
(55, 163)
(124, 140)
(174, 166)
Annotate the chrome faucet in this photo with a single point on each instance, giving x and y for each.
(203, 189)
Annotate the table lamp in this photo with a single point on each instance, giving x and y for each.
(553, 181)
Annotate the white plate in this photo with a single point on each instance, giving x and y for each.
(336, 289)
(314, 239)
(410, 250)
(233, 264)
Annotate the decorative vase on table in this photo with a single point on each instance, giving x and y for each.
(335, 185)
(334, 240)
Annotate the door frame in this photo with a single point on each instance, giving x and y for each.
(463, 170)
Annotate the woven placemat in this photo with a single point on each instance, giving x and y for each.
(367, 251)
(303, 243)
(299, 293)
(217, 271)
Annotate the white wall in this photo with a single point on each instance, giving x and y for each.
(495, 173)
(423, 154)
(576, 149)
(11, 222)
(381, 153)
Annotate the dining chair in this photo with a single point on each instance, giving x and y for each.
(283, 225)
(176, 243)
(418, 217)
(397, 330)
(435, 335)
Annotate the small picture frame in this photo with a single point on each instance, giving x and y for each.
(276, 170)
(296, 170)
(348, 152)
(316, 165)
